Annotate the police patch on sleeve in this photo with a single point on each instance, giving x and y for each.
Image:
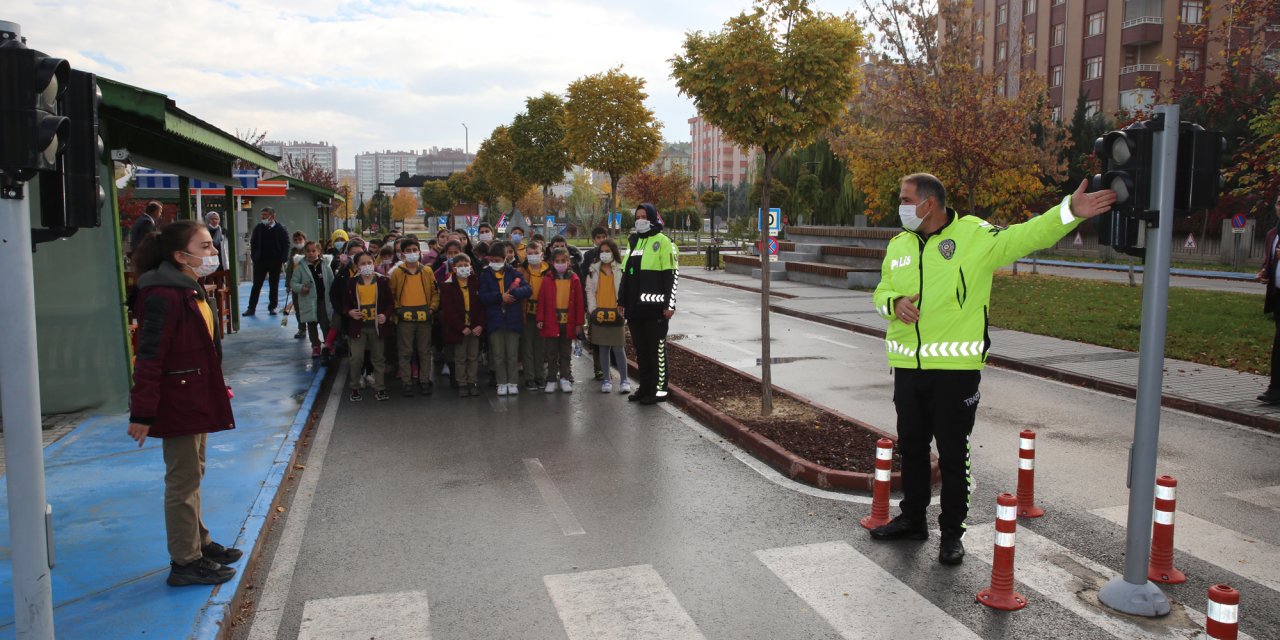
(947, 248)
(656, 245)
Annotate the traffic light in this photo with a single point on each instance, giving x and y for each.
(31, 131)
(1199, 178)
(1126, 165)
(71, 195)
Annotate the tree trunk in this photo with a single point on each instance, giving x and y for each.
(766, 377)
(613, 194)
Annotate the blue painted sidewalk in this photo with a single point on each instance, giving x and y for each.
(108, 499)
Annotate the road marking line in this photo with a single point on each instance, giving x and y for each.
(727, 300)
(555, 501)
(1240, 554)
(385, 616)
(627, 602)
(1072, 581)
(1266, 497)
(279, 579)
(835, 342)
(856, 596)
(735, 347)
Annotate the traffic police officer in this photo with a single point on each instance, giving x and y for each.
(650, 275)
(935, 290)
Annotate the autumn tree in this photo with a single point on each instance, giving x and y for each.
(775, 77)
(469, 185)
(438, 197)
(541, 156)
(404, 205)
(711, 200)
(305, 167)
(928, 108)
(583, 201)
(608, 127)
(345, 209)
(495, 165)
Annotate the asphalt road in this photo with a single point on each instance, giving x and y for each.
(584, 516)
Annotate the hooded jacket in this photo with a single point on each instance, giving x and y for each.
(547, 312)
(650, 272)
(178, 388)
(500, 316)
(453, 309)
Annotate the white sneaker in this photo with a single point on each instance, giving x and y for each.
(566, 385)
(502, 389)
(626, 387)
(513, 389)
(551, 387)
(607, 387)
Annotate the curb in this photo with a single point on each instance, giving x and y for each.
(1078, 379)
(211, 622)
(774, 454)
(784, 296)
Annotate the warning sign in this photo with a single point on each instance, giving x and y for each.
(1079, 241)
(1191, 241)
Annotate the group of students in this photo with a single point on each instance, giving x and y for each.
(516, 305)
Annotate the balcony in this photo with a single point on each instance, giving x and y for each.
(1142, 30)
(1139, 76)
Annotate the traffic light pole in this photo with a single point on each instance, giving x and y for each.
(23, 445)
(1134, 593)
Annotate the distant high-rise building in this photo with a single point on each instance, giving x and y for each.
(441, 162)
(322, 154)
(382, 167)
(714, 155)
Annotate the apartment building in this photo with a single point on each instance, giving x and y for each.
(714, 155)
(323, 154)
(442, 162)
(382, 167)
(1114, 52)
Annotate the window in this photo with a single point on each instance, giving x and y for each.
(1192, 12)
(1030, 8)
(1059, 35)
(1000, 86)
(1096, 23)
(1190, 59)
(1029, 46)
(1058, 2)
(1002, 51)
(1093, 68)
(1057, 114)
(1002, 14)
(1055, 76)
(1092, 108)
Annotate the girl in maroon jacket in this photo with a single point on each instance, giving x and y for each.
(178, 392)
(560, 318)
(462, 322)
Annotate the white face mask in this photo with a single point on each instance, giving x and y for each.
(299, 245)
(486, 237)
(535, 259)
(464, 272)
(606, 258)
(208, 264)
(642, 226)
(412, 257)
(907, 213)
(366, 270)
(497, 266)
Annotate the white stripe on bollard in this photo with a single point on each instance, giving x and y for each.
(1164, 493)
(884, 454)
(1027, 443)
(1164, 517)
(882, 475)
(1004, 539)
(1224, 613)
(1027, 463)
(1006, 513)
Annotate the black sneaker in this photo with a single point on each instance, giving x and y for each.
(532, 385)
(951, 551)
(653, 399)
(902, 528)
(221, 554)
(639, 395)
(381, 396)
(248, 313)
(355, 395)
(202, 571)
(271, 312)
(1270, 397)
(407, 390)
(426, 388)
(474, 389)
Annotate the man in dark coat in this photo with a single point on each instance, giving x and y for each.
(144, 225)
(268, 248)
(1268, 275)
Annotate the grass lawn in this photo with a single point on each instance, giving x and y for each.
(693, 259)
(1210, 327)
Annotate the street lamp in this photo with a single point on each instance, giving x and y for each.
(713, 210)
(466, 139)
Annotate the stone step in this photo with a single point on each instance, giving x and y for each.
(876, 237)
(834, 275)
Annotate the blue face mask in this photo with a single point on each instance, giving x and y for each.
(516, 238)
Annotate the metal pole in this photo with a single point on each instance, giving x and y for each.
(23, 445)
(1134, 593)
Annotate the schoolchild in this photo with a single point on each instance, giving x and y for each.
(560, 319)
(417, 301)
(312, 279)
(604, 316)
(368, 304)
(462, 323)
(503, 292)
(532, 345)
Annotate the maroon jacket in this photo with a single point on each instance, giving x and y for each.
(386, 305)
(547, 313)
(453, 312)
(1269, 304)
(178, 387)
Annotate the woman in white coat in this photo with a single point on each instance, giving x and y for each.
(605, 317)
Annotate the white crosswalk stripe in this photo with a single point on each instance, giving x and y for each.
(385, 616)
(1072, 581)
(1267, 497)
(857, 597)
(629, 603)
(1240, 554)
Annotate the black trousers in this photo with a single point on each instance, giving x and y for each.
(936, 405)
(260, 273)
(1275, 357)
(650, 340)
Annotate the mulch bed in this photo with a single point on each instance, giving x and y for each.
(805, 429)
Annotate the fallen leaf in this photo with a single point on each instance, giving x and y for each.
(280, 509)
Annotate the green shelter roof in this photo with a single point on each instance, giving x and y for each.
(308, 186)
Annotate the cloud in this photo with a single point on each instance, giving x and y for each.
(371, 74)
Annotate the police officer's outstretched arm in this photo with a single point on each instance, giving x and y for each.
(1042, 231)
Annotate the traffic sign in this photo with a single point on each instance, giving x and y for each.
(1237, 223)
(443, 222)
(551, 221)
(773, 225)
(773, 249)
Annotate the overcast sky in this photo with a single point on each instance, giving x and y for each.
(373, 75)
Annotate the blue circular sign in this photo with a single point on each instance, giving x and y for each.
(1237, 221)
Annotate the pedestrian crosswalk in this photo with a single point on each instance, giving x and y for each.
(835, 582)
